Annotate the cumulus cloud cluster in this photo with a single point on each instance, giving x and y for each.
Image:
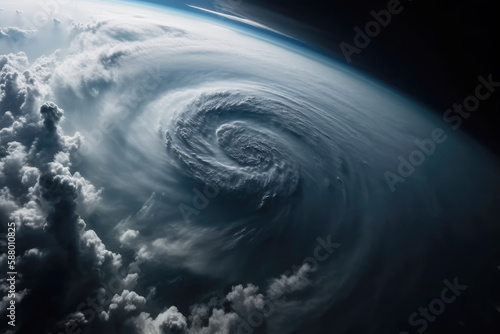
(45, 199)
(165, 173)
(60, 260)
(68, 278)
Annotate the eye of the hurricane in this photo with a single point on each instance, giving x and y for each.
(227, 142)
(247, 147)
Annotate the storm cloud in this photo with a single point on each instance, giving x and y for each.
(167, 174)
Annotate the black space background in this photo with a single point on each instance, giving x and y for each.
(432, 51)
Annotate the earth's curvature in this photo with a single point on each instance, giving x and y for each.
(173, 173)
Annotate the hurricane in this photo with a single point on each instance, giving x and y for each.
(169, 172)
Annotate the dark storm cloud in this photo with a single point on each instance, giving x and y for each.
(104, 65)
(44, 199)
(295, 148)
(50, 200)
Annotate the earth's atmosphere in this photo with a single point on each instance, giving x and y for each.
(169, 172)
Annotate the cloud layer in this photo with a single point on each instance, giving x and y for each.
(167, 174)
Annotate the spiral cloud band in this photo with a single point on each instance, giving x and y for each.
(168, 173)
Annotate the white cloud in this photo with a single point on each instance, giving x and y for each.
(287, 284)
(130, 281)
(245, 300)
(122, 307)
(128, 236)
(98, 251)
(16, 34)
(147, 73)
(220, 322)
(171, 321)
